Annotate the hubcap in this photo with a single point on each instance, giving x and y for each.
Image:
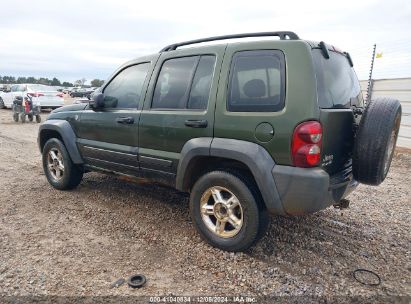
(55, 163)
(221, 212)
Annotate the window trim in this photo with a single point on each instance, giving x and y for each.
(117, 73)
(272, 52)
(190, 84)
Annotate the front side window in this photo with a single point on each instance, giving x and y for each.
(14, 88)
(124, 91)
(184, 83)
(257, 82)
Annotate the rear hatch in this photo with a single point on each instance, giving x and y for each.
(339, 94)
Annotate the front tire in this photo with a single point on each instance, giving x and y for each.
(227, 211)
(60, 171)
(2, 106)
(23, 118)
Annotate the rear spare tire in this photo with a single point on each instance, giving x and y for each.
(375, 140)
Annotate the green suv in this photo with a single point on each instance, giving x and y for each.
(247, 128)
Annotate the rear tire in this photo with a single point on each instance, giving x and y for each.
(221, 199)
(23, 118)
(375, 141)
(30, 117)
(2, 106)
(60, 171)
(16, 117)
(38, 118)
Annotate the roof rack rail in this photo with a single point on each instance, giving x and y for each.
(283, 36)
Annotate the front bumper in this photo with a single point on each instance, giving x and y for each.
(307, 190)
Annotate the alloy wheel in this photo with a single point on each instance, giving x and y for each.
(221, 212)
(55, 163)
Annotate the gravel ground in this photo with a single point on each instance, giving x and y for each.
(78, 242)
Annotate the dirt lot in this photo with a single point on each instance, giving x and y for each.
(79, 242)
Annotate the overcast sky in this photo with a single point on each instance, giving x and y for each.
(75, 39)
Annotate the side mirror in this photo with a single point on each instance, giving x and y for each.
(97, 102)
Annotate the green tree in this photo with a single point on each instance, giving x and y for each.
(97, 83)
(55, 82)
(43, 80)
(21, 80)
(67, 84)
(9, 79)
(31, 79)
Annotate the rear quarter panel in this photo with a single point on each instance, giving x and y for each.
(300, 99)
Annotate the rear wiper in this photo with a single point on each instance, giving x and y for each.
(324, 50)
(349, 58)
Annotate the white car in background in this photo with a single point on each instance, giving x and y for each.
(42, 95)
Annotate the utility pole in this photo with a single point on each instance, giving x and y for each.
(369, 89)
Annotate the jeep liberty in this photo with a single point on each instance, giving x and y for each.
(248, 128)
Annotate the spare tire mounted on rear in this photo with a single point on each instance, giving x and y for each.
(375, 140)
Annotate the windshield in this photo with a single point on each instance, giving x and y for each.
(41, 87)
(337, 83)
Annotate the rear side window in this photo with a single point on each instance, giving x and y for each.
(200, 89)
(124, 91)
(257, 82)
(184, 83)
(337, 83)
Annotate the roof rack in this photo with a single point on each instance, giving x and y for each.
(283, 36)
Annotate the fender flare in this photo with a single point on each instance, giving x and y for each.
(255, 157)
(67, 134)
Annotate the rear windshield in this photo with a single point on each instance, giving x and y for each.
(337, 83)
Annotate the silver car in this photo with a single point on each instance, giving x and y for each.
(42, 95)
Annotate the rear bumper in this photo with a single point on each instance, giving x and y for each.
(50, 103)
(307, 190)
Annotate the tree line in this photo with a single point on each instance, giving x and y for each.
(46, 81)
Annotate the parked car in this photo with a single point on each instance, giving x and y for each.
(45, 96)
(247, 128)
(81, 92)
(72, 89)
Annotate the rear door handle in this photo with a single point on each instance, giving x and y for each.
(196, 123)
(125, 120)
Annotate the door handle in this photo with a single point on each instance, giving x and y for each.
(196, 123)
(125, 120)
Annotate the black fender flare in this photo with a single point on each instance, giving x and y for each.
(67, 134)
(255, 157)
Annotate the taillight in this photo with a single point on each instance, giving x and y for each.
(306, 145)
(35, 94)
(60, 95)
